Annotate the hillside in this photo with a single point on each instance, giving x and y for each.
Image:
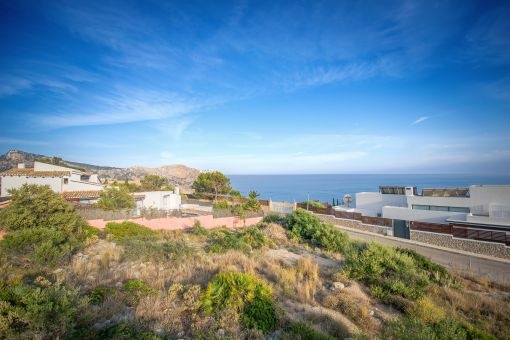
(177, 174)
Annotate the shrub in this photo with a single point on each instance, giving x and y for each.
(245, 240)
(306, 227)
(91, 231)
(386, 271)
(408, 328)
(221, 205)
(127, 229)
(260, 314)
(136, 289)
(41, 227)
(98, 295)
(126, 331)
(314, 204)
(301, 331)
(243, 293)
(28, 311)
(198, 230)
(274, 218)
(116, 198)
(425, 310)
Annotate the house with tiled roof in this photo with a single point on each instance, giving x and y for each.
(60, 179)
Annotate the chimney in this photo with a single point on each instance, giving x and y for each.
(21, 165)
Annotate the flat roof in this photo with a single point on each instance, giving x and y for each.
(32, 173)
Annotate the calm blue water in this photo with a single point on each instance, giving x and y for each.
(326, 187)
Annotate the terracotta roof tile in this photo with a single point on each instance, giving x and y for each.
(32, 173)
(69, 195)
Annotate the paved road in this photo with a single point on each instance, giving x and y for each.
(494, 269)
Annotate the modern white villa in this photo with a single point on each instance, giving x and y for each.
(60, 179)
(479, 204)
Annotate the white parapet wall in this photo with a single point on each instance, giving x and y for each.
(15, 182)
(161, 200)
(431, 216)
(371, 203)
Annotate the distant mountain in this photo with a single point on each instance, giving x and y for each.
(177, 174)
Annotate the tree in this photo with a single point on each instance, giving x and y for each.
(155, 183)
(115, 198)
(212, 183)
(41, 226)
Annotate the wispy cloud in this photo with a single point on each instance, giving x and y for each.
(420, 120)
(17, 141)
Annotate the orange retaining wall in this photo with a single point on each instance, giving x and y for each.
(174, 223)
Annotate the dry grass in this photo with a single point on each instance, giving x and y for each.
(487, 310)
(276, 233)
(299, 282)
(356, 309)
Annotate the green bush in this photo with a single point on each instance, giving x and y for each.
(387, 271)
(306, 227)
(98, 295)
(41, 227)
(126, 230)
(407, 328)
(245, 294)
(301, 331)
(275, 218)
(222, 240)
(260, 314)
(137, 289)
(125, 331)
(437, 273)
(28, 311)
(91, 231)
(116, 198)
(221, 205)
(198, 230)
(314, 204)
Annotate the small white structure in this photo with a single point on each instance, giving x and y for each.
(484, 204)
(161, 200)
(59, 178)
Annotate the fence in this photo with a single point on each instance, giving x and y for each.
(463, 232)
(431, 227)
(92, 213)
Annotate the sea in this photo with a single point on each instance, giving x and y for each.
(325, 188)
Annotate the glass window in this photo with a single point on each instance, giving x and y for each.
(459, 209)
(421, 207)
(438, 208)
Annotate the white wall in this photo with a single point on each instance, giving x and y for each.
(15, 182)
(73, 185)
(431, 216)
(75, 174)
(483, 196)
(461, 202)
(163, 200)
(373, 202)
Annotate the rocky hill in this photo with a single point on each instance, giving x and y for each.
(177, 174)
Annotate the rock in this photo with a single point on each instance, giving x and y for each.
(220, 332)
(337, 286)
(180, 334)
(372, 312)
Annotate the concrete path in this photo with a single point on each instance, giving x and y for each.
(462, 262)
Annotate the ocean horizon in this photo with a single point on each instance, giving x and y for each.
(325, 188)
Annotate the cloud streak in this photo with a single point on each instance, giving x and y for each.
(420, 120)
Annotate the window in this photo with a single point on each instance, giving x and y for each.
(438, 208)
(84, 178)
(66, 180)
(421, 207)
(460, 209)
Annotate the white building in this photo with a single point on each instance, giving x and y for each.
(59, 178)
(481, 204)
(161, 200)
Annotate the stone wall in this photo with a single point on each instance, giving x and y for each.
(447, 241)
(353, 224)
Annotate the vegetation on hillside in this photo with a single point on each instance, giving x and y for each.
(115, 198)
(212, 183)
(291, 277)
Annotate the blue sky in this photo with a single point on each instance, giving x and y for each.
(260, 87)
